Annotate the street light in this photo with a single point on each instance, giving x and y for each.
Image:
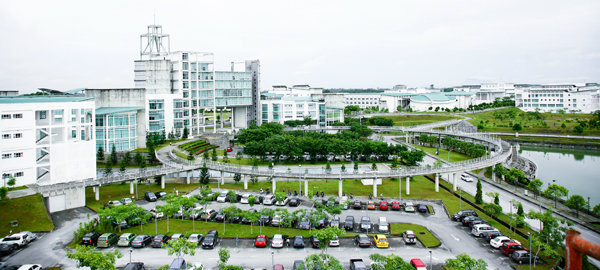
(130, 251)
(529, 235)
(430, 261)
(554, 181)
(272, 259)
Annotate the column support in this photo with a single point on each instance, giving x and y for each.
(340, 184)
(222, 178)
(162, 181)
(245, 182)
(97, 193)
(305, 187)
(408, 185)
(187, 177)
(131, 190)
(437, 182)
(374, 187)
(454, 183)
(273, 185)
(493, 174)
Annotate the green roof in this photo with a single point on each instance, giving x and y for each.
(43, 99)
(75, 91)
(112, 110)
(459, 93)
(432, 97)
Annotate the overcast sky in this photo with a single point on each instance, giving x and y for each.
(331, 44)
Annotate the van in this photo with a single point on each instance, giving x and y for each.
(125, 239)
(418, 264)
(106, 240)
(383, 225)
(482, 228)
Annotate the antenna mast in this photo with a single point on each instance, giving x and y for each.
(154, 39)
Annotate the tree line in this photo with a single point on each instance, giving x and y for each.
(471, 149)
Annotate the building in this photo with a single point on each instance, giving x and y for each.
(363, 100)
(301, 101)
(9, 93)
(557, 97)
(47, 139)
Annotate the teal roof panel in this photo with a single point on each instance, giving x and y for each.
(113, 110)
(43, 99)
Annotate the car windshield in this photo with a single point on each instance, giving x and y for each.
(410, 236)
(382, 240)
(208, 239)
(260, 239)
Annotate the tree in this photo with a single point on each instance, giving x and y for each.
(204, 175)
(556, 191)
(551, 238)
(87, 256)
(596, 209)
(355, 167)
(108, 168)
(224, 256)
(127, 157)
(479, 193)
(237, 177)
(100, 154)
(343, 167)
(11, 181)
(535, 185)
(232, 196)
(190, 156)
(492, 209)
(326, 234)
(576, 202)
(322, 261)
(214, 154)
(252, 200)
(180, 246)
(578, 129)
(279, 196)
(391, 262)
(520, 211)
(137, 158)
(186, 133)
(374, 166)
(3, 192)
(238, 156)
(517, 127)
(465, 262)
(113, 155)
(123, 166)
(328, 167)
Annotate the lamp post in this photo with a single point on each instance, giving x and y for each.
(272, 259)
(553, 182)
(529, 236)
(130, 251)
(430, 261)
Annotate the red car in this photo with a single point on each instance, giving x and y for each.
(383, 206)
(261, 241)
(229, 149)
(396, 205)
(510, 247)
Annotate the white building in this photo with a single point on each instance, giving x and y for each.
(363, 100)
(47, 139)
(9, 93)
(556, 97)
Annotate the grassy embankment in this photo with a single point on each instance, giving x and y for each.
(413, 120)
(30, 212)
(422, 233)
(552, 140)
(454, 156)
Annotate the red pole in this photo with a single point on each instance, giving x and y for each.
(576, 246)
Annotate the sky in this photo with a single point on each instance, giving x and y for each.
(331, 44)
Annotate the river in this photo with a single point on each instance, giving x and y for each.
(577, 170)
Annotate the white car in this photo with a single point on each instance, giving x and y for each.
(30, 267)
(344, 202)
(409, 207)
(478, 229)
(269, 200)
(18, 239)
(383, 225)
(283, 202)
(498, 241)
(466, 177)
(195, 238)
(244, 199)
(409, 237)
(156, 214)
(222, 197)
(126, 201)
(277, 241)
(335, 242)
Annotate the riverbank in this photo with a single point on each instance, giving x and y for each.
(555, 142)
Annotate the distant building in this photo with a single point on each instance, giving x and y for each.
(556, 97)
(363, 100)
(9, 93)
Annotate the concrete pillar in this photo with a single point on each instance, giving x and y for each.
(454, 183)
(340, 184)
(97, 193)
(305, 187)
(245, 182)
(214, 119)
(408, 185)
(222, 178)
(493, 174)
(232, 118)
(222, 118)
(131, 190)
(437, 182)
(162, 181)
(374, 188)
(406, 137)
(188, 176)
(273, 185)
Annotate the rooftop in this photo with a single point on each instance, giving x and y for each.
(111, 110)
(432, 97)
(43, 99)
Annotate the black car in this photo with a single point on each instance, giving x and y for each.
(314, 241)
(160, 194)
(90, 239)
(522, 256)
(322, 223)
(477, 221)
(134, 266)
(362, 240)
(294, 202)
(150, 196)
(349, 223)
(6, 249)
(159, 240)
(298, 241)
(304, 224)
(236, 219)
(210, 240)
(264, 220)
(357, 205)
(141, 241)
(220, 217)
(467, 220)
(491, 235)
(422, 208)
(462, 214)
(335, 222)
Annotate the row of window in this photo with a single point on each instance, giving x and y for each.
(362, 98)
(7, 175)
(14, 135)
(13, 116)
(12, 155)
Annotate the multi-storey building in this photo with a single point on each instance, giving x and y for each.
(363, 100)
(43, 137)
(557, 97)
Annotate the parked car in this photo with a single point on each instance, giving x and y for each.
(381, 241)
(314, 241)
(396, 205)
(6, 249)
(178, 264)
(156, 214)
(244, 199)
(371, 205)
(159, 239)
(210, 240)
(261, 241)
(467, 220)
(479, 228)
(422, 208)
(277, 241)
(491, 235)
(322, 223)
(510, 247)
(222, 197)
(126, 201)
(383, 225)
(357, 264)
(269, 200)
(304, 224)
(160, 194)
(522, 256)
(150, 196)
(418, 264)
(500, 240)
(409, 237)
(30, 267)
(362, 240)
(195, 239)
(357, 205)
(264, 220)
(125, 239)
(220, 217)
(134, 266)
(344, 202)
(466, 177)
(111, 204)
(477, 221)
(90, 239)
(383, 206)
(298, 241)
(462, 214)
(409, 207)
(335, 222)
(26, 236)
(208, 214)
(283, 202)
(294, 202)
(107, 240)
(177, 236)
(335, 242)
(349, 223)
(278, 267)
(365, 224)
(298, 265)
(141, 241)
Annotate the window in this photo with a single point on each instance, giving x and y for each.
(18, 155)
(17, 115)
(185, 66)
(19, 174)
(73, 134)
(5, 136)
(5, 175)
(6, 116)
(184, 56)
(6, 156)
(42, 115)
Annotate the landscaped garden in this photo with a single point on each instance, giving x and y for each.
(196, 147)
(420, 119)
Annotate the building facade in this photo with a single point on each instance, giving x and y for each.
(558, 97)
(47, 139)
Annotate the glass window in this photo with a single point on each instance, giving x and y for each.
(19, 154)
(185, 66)
(73, 134)
(18, 115)
(5, 136)
(6, 116)
(6, 156)
(18, 174)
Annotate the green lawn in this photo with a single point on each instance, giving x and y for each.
(551, 140)
(550, 124)
(454, 156)
(30, 212)
(413, 120)
(423, 234)
(119, 191)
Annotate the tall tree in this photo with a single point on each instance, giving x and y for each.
(479, 193)
(465, 262)
(113, 155)
(535, 185)
(87, 256)
(326, 234)
(576, 202)
(204, 175)
(185, 133)
(180, 246)
(550, 240)
(224, 255)
(556, 191)
(100, 154)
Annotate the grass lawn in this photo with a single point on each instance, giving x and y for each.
(413, 120)
(29, 211)
(551, 122)
(423, 234)
(454, 156)
(551, 140)
(119, 191)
